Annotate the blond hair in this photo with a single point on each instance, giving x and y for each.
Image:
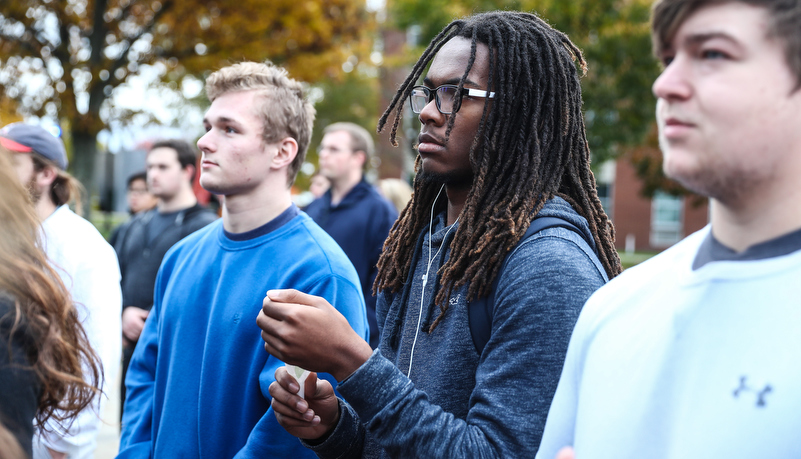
(285, 112)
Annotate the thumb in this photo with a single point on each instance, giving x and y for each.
(310, 387)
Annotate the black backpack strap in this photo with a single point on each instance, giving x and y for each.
(479, 311)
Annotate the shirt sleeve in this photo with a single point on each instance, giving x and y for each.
(540, 294)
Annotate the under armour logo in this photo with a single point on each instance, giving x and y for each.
(760, 394)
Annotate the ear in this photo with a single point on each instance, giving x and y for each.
(287, 151)
(46, 177)
(189, 172)
(362, 157)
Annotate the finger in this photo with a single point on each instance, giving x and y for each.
(289, 422)
(275, 310)
(294, 296)
(272, 345)
(289, 404)
(288, 412)
(286, 381)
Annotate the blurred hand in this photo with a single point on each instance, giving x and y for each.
(308, 419)
(306, 331)
(133, 320)
(566, 453)
(56, 454)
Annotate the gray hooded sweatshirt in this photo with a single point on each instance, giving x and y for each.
(456, 402)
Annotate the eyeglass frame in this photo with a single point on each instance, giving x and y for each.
(457, 105)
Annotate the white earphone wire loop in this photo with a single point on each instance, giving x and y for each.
(425, 277)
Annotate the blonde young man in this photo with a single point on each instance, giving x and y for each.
(87, 266)
(695, 352)
(197, 383)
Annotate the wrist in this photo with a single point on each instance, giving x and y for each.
(357, 353)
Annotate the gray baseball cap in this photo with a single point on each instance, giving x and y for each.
(29, 138)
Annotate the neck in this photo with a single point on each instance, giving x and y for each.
(763, 218)
(184, 199)
(341, 187)
(45, 207)
(244, 212)
(457, 197)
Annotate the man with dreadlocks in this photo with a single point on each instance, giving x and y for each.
(502, 141)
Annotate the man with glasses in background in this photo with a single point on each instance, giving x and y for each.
(501, 146)
(352, 211)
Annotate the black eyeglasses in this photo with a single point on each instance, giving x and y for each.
(446, 96)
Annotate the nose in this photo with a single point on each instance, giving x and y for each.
(673, 83)
(204, 143)
(431, 114)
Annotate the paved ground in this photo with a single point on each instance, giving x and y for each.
(108, 440)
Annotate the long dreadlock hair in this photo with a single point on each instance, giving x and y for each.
(530, 146)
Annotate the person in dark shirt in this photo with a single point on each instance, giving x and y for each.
(352, 211)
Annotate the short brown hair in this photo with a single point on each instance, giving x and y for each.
(360, 139)
(285, 111)
(784, 15)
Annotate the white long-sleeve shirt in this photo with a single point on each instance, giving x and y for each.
(88, 267)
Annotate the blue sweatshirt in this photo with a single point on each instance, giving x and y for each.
(198, 381)
(458, 403)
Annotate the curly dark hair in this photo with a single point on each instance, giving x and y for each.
(530, 146)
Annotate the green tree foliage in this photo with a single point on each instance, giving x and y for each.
(64, 58)
(615, 38)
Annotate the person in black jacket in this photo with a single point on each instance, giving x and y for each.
(142, 242)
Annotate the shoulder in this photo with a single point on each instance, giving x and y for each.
(69, 237)
(316, 206)
(553, 252)
(623, 296)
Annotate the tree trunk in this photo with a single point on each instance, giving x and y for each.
(82, 166)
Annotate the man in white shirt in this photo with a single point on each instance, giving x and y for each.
(695, 352)
(87, 265)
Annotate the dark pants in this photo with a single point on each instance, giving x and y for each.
(127, 353)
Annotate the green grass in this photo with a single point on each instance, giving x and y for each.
(105, 222)
(630, 259)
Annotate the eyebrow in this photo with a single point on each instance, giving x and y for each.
(222, 119)
(698, 38)
(453, 81)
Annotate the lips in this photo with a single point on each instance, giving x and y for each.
(428, 143)
(675, 127)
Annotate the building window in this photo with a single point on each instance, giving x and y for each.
(666, 219)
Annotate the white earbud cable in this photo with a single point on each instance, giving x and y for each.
(425, 277)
